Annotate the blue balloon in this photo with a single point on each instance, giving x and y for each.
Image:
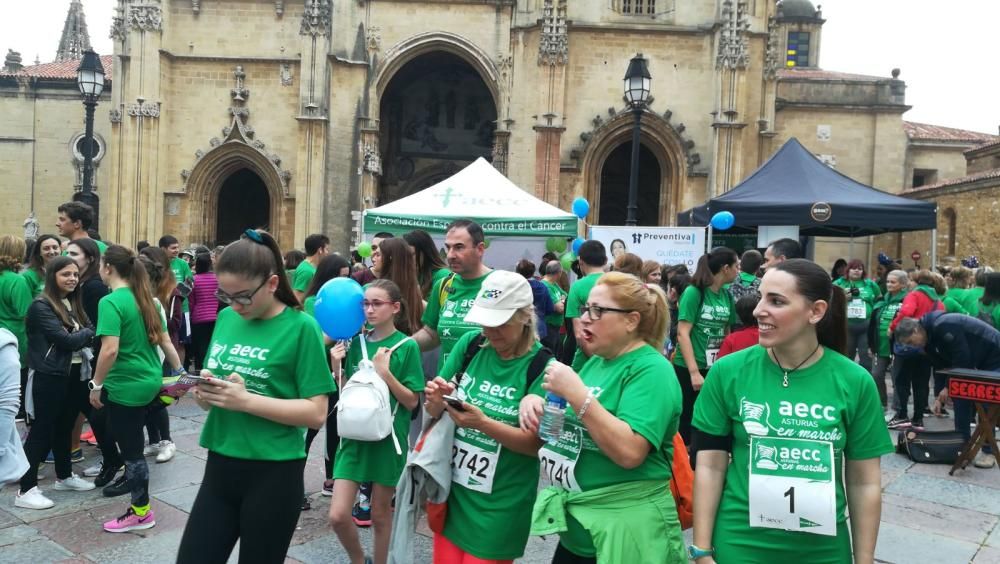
(576, 245)
(581, 207)
(723, 220)
(338, 308)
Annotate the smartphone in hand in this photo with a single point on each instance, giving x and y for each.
(453, 402)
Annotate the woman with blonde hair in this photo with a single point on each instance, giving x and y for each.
(611, 465)
(629, 264)
(651, 272)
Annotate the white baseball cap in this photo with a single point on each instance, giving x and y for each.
(502, 294)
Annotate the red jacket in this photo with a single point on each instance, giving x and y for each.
(916, 304)
(738, 340)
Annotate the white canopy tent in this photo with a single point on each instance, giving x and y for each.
(478, 192)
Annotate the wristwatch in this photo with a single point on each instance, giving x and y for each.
(695, 552)
(94, 387)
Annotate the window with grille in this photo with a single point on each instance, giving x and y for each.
(637, 7)
(797, 54)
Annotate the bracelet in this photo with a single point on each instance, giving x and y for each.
(586, 405)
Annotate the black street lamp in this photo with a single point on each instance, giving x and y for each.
(90, 80)
(637, 85)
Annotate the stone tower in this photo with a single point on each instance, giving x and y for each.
(75, 39)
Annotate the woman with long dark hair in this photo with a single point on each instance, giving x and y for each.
(805, 432)
(44, 249)
(129, 375)
(267, 379)
(58, 328)
(398, 266)
(430, 266)
(705, 313)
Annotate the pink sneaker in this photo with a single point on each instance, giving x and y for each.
(130, 522)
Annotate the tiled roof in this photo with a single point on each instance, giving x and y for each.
(984, 175)
(820, 74)
(59, 70)
(927, 132)
(994, 143)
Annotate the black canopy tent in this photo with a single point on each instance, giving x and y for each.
(795, 188)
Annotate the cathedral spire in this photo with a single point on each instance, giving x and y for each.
(75, 39)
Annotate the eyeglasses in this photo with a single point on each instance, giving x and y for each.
(241, 299)
(374, 304)
(596, 312)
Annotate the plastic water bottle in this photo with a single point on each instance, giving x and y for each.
(553, 418)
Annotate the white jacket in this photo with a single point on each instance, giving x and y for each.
(13, 463)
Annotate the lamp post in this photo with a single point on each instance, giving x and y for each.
(637, 85)
(90, 80)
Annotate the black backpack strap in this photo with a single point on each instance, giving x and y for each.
(537, 366)
(470, 352)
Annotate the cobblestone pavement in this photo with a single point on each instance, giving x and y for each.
(927, 515)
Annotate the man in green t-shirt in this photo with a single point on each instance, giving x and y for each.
(554, 321)
(593, 259)
(451, 297)
(181, 269)
(317, 247)
(75, 218)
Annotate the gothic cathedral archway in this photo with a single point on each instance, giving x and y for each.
(615, 175)
(243, 203)
(436, 115)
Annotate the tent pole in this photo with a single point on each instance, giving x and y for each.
(708, 240)
(933, 249)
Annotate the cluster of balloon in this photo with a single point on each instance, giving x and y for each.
(723, 220)
(338, 307)
(581, 207)
(555, 244)
(566, 260)
(365, 249)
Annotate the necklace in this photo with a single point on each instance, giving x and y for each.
(784, 381)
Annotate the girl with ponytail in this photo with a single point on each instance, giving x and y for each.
(127, 378)
(266, 380)
(793, 393)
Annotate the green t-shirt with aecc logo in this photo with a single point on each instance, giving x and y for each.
(36, 281)
(377, 461)
(282, 357)
(493, 488)
(859, 308)
(800, 437)
(303, 276)
(181, 269)
(710, 318)
(639, 388)
(449, 320)
(137, 373)
(557, 294)
(890, 305)
(577, 297)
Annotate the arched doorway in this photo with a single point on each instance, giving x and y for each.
(244, 203)
(614, 186)
(436, 110)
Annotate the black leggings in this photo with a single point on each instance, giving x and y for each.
(332, 438)
(564, 556)
(127, 422)
(254, 501)
(157, 422)
(201, 336)
(689, 395)
(55, 415)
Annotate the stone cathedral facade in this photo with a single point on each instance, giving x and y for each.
(292, 114)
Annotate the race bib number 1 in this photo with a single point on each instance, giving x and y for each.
(792, 485)
(472, 467)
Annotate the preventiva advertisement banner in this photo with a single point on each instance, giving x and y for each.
(666, 245)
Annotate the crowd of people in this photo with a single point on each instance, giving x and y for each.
(767, 367)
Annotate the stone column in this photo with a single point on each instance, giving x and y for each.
(313, 118)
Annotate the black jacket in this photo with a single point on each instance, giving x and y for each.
(92, 290)
(50, 344)
(955, 340)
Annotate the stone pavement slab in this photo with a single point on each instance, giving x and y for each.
(37, 551)
(899, 545)
(921, 515)
(81, 532)
(987, 555)
(181, 498)
(947, 492)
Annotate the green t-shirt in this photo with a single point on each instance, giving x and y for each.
(890, 305)
(281, 357)
(181, 269)
(137, 374)
(309, 306)
(710, 318)
(303, 276)
(859, 309)
(36, 282)
(557, 294)
(377, 461)
(493, 488)
(578, 294)
(638, 387)
(834, 403)
(971, 300)
(101, 246)
(449, 320)
(15, 299)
